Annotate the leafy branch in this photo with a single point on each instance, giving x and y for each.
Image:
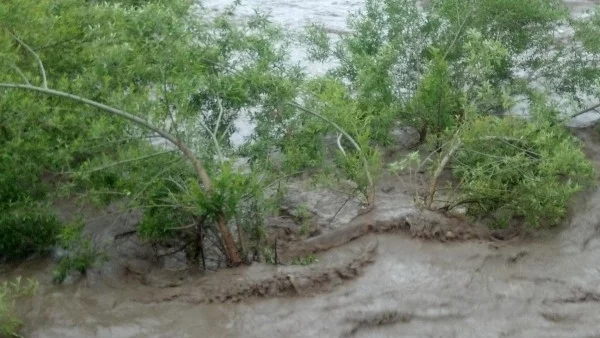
(187, 152)
(371, 194)
(35, 55)
(231, 251)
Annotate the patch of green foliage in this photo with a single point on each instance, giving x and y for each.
(400, 63)
(10, 292)
(452, 68)
(269, 255)
(157, 59)
(303, 216)
(26, 228)
(80, 253)
(513, 168)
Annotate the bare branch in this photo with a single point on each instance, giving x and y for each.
(458, 33)
(168, 105)
(214, 133)
(184, 227)
(229, 125)
(428, 158)
(183, 247)
(220, 116)
(340, 209)
(125, 234)
(214, 139)
(167, 167)
(36, 56)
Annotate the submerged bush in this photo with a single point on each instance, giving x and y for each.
(151, 60)
(422, 68)
(10, 292)
(510, 168)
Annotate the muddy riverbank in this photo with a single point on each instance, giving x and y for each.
(379, 285)
(389, 285)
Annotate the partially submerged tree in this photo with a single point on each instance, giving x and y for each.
(452, 71)
(169, 66)
(153, 72)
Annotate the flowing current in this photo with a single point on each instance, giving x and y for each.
(547, 286)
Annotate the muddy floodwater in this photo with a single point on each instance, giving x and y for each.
(542, 285)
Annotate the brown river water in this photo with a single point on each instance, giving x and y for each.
(547, 285)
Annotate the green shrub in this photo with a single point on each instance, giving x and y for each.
(402, 65)
(27, 228)
(513, 168)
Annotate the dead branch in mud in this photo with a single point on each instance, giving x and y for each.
(172, 252)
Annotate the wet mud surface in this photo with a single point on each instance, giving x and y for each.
(394, 279)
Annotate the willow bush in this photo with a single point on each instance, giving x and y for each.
(453, 70)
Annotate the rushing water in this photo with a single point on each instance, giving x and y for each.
(545, 287)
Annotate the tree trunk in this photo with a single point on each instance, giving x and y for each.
(232, 253)
(199, 252)
(423, 133)
(439, 170)
(241, 238)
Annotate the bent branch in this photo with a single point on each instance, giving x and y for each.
(187, 152)
(371, 194)
(232, 253)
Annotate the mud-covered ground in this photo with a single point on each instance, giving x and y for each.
(386, 284)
